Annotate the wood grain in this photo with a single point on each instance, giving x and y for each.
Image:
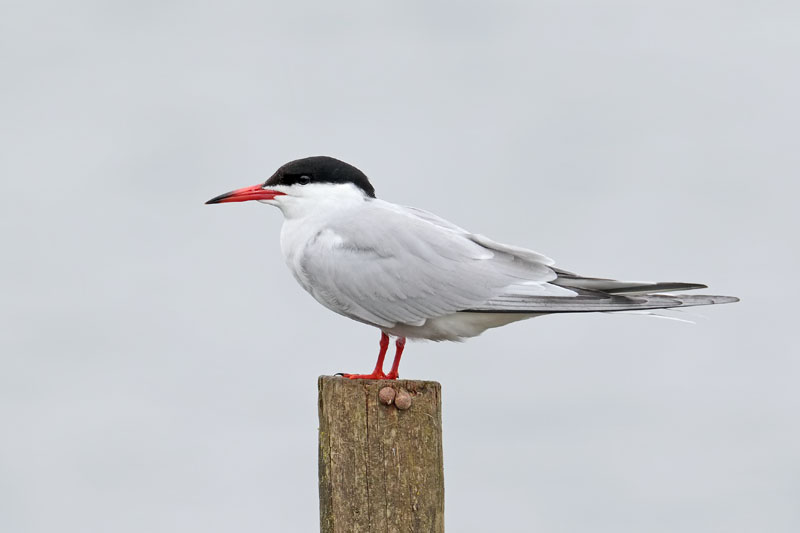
(380, 467)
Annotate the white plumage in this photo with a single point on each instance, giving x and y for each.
(413, 274)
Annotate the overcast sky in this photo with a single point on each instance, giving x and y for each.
(158, 363)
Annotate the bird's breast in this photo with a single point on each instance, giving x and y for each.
(301, 239)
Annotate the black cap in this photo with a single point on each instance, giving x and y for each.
(321, 169)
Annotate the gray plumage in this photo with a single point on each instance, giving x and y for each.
(401, 269)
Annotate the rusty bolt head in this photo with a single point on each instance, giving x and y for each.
(386, 395)
(403, 400)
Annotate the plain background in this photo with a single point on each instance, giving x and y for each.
(159, 364)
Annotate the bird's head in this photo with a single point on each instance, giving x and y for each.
(303, 182)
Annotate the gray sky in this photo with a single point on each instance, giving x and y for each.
(159, 363)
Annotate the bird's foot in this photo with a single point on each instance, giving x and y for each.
(392, 375)
(374, 375)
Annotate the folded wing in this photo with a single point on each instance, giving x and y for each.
(392, 266)
(398, 265)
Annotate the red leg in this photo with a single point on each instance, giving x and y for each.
(400, 343)
(378, 372)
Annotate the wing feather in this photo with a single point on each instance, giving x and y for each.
(400, 265)
(397, 266)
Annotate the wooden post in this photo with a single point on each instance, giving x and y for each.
(380, 466)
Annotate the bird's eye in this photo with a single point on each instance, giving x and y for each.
(303, 180)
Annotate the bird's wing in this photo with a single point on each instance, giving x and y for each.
(614, 286)
(519, 252)
(385, 265)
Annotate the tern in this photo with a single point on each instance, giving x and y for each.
(414, 275)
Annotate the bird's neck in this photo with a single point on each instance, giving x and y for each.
(321, 202)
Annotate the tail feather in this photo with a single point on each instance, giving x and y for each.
(600, 295)
(588, 302)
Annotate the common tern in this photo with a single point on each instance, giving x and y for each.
(414, 275)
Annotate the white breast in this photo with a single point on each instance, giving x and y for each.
(299, 237)
(308, 238)
(306, 218)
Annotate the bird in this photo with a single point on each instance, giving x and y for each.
(414, 275)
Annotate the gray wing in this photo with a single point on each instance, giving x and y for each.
(392, 266)
(589, 294)
(403, 265)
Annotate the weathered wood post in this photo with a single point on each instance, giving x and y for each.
(380, 466)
